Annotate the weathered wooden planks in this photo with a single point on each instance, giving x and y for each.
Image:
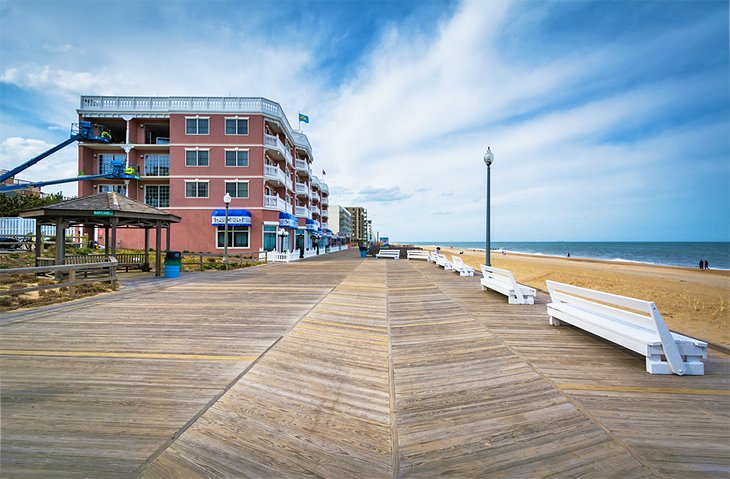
(342, 367)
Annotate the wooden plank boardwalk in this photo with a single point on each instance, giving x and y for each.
(341, 367)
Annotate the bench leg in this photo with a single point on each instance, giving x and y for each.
(555, 321)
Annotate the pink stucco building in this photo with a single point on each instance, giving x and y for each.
(190, 151)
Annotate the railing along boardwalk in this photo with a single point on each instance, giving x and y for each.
(102, 270)
(341, 367)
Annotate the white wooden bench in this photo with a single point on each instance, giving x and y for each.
(433, 257)
(502, 281)
(417, 254)
(632, 323)
(443, 262)
(460, 267)
(388, 253)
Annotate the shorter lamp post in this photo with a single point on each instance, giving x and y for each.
(282, 233)
(227, 201)
(488, 159)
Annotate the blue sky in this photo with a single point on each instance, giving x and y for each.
(609, 120)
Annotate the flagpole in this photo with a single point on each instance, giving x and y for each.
(299, 117)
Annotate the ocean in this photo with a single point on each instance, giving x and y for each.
(664, 253)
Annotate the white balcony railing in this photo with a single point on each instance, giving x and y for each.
(302, 212)
(325, 225)
(273, 173)
(314, 209)
(324, 213)
(288, 182)
(271, 141)
(314, 196)
(316, 183)
(325, 201)
(302, 189)
(302, 165)
(274, 202)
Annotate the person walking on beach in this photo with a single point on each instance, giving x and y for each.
(707, 265)
(702, 264)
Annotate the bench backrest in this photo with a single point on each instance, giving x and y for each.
(629, 312)
(457, 261)
(503, 276)
(417, 253)
(390, 252)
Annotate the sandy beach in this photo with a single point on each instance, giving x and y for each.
(692, 302)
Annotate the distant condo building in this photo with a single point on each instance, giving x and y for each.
(340, 221)
(189, 152)
(359, 223)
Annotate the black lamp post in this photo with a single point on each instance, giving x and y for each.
(227, 201)
(488, 159)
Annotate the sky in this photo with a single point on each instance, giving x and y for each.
(608, 120)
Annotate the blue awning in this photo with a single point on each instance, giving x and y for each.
(288, 221)
(235, 218)
(311, 225)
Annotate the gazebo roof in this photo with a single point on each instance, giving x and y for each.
(100, 209)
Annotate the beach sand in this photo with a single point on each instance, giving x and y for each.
(692, 301)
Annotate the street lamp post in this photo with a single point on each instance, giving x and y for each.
(488, 159)
(227, 201)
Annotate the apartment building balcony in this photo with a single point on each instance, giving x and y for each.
(324, 201)
(325, 225)
(273, 143)
(315, 183)
(314, 209)
(276, 203)
(302, 212)
(314, 196)
(276, 176)
(301, 189)
(303, 167)
(324, 213)
(324, 188)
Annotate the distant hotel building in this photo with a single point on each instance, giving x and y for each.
(359, 223)
(341, 221)
(191, 151)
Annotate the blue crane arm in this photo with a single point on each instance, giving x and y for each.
(38, 158)
(38, 184)
(84, 131)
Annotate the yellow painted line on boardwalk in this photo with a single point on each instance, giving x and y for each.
(99, 354)
(431, 323)
(348, 326)
(644, 389)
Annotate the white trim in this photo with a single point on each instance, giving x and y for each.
(196, 197)
(237, 149)
(230, 231)
(197, 127)
(197, 150)
(248, 189)
(248, 125)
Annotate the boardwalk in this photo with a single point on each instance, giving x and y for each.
(341, 367)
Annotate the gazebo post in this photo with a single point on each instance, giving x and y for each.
(60, 242)
(114, 235)
(38, 242)
(147, 246)
(158, 246)
(106, 239)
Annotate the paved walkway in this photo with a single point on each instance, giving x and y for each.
(340, 367)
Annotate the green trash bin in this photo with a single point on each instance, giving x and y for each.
(173, 261)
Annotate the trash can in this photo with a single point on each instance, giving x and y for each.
(172, 264)
(363, 251)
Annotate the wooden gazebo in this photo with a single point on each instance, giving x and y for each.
(105, 210)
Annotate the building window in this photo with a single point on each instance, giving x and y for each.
(196, 189)
(196, 157)
(105, 162)
(237, 236)
(236, 126)
(236, 157)
(196, 126)
(157, 165)
(269, 237)
(120, 189)
(157, 196)
(237, 189)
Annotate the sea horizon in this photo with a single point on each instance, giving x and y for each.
(665, 253)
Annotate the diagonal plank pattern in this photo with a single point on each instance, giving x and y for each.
(316, 404)
(341, 367)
